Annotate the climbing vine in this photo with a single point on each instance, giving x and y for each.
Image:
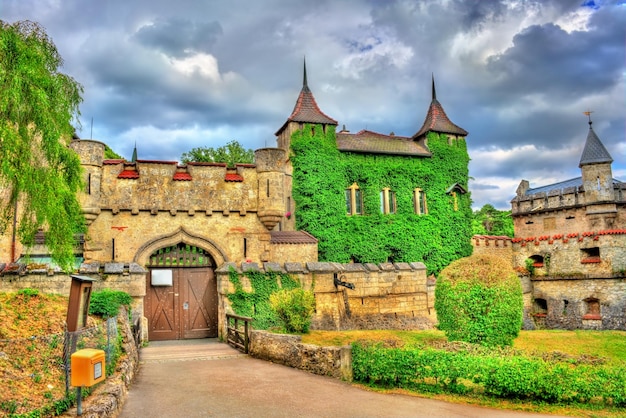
(256, 303)
(321, 175)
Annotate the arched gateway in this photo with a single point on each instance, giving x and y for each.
(181, 293)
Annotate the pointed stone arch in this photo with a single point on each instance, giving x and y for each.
(181, 235)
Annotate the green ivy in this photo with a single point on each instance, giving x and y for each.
(321, 174)
(256, 304)
(107, 302)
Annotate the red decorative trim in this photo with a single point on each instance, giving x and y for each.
(595, 317)
(128, 174)
(590, 260)
(233, 177)
(182, 177)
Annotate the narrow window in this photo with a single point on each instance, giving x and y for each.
(387, 201)
(456, 201)
(354, 200)
(590, 255)
(419, 202)
(89, 183)
(592, 309)
(245, 247)
(540, 307)
(268, 187)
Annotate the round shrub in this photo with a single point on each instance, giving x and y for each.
(478, 299)
(294, 308)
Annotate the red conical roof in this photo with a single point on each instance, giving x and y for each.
(437, 120)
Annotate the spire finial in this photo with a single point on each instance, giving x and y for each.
(588, 113)
(304, 82)
(434, 92)
(134, 157)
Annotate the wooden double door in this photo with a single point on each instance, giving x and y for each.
(183, 308)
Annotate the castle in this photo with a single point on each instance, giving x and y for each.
(170, 234)
(570, 240)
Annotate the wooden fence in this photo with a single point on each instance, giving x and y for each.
(238, 331)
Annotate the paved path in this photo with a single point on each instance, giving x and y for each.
(206, 378)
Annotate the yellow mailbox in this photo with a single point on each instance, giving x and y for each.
(88, 367)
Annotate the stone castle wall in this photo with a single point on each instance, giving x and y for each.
(494, 245)
(385, 296)
(133, 208)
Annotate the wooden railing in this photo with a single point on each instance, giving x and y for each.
(238, 331)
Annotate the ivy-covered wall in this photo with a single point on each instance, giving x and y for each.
(321, 174)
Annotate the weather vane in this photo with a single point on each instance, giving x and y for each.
(588, 113)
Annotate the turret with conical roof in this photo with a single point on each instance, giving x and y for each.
(305, 111)
(597, 175)
(437, 121)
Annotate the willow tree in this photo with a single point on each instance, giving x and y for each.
(39, 174)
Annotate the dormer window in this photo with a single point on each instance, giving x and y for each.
(455, 190)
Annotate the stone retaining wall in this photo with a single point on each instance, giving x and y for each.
(289, 350)
(108, 397)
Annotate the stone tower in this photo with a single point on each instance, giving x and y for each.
(91, 155)
(305, 111)
(597, 181)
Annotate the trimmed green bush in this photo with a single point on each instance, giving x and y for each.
(107, 302)
(501, 373)
(294, 308)
(478, 299)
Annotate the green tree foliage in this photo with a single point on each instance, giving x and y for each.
(478, 299)
(294, 308)
(109, 154)
(231, 153)
(322, 174)
(491, 221)
(38, 170)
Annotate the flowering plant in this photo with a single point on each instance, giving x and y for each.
(288, 215)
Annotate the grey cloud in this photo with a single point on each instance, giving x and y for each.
(178, 37)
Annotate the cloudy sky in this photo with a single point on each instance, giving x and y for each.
(517, 74)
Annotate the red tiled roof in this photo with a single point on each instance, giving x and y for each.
(112, 162)
(182, 177)
(375, 143)
(233, 177)
(128, 174)
(157, 162)
(207, 164)
(437, 121)
(292, 237)
(306, 109)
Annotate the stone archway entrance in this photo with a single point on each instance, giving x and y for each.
(181, 294)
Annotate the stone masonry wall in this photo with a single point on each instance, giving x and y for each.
(572, 254)
(289, 350)
(568, 306)
(388, 295)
